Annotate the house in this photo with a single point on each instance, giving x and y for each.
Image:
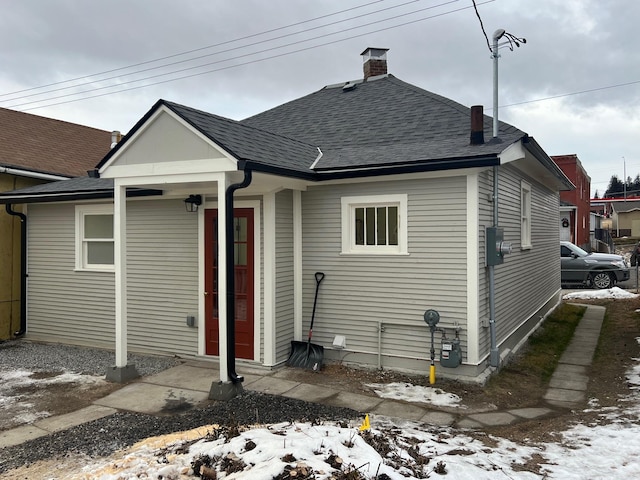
(35, 150)
(200, 236)
(575, 204)
(625, 215)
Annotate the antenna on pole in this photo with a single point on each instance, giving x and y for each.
(511, 41)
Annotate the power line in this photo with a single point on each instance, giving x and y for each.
(147, 62)
(572, 93)
(246, 55)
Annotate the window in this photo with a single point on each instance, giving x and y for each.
(374, 224)
(94, 237)
(525, 208)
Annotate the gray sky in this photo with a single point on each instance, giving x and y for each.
(264, 53)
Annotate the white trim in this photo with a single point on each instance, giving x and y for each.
(513, 152)
(222, 283)
(104, 170)
(197, 178)
(81, 260)
(208, 165)
(349, 204)
(297, 265)
(120, 261)
(525, 215)
(26, 173)
(473, 271)
(201, 283)
(269, 279)
(315, 162)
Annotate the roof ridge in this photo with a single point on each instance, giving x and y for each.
(239, 123)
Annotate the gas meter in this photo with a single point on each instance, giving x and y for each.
(450, 354)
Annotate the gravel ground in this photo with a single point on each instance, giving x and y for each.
(104, 436)
(88, 361)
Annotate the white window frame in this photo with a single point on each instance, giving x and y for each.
(81, 243)
(525, 215)
(349, 205)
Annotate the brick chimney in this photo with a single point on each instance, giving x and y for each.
(477, 125)
(375, 62)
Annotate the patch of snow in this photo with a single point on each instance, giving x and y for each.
(615, 292)
(416, 394)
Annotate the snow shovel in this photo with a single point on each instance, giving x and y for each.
(307, 354)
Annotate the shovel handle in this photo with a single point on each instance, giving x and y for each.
(319, 277)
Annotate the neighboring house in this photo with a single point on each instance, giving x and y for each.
(625, 216)
(384, 187)
(575, 204)
(34, 150)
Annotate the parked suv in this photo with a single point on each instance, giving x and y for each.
(595, 270)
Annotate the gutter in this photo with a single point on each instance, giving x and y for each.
(23, 269)
(27, 173)
(374, 171)
(72, 196)
(231, 281)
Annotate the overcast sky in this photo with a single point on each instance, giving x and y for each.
(574, 85)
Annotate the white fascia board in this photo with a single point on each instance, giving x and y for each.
(199, 166)
(513, 152)
(162, 110)
(172, 178)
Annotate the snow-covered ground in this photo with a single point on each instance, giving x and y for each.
(607, 451)
(404, 450)
(388, 449)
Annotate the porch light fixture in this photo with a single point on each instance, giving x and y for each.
(192, 203)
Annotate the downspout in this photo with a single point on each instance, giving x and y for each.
(23, 269)
(231, 281)
(494, 356)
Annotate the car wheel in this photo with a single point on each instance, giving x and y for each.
(601, 280)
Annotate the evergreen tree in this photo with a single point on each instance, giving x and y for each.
(615, 188)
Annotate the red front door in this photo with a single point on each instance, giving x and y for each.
(243, 267)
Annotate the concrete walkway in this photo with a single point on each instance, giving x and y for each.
(189, 384)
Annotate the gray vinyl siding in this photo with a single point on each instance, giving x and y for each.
(65, 305)
(78, 307)
(162, 277)
(528, 278)
(359, 291)
(284, 274)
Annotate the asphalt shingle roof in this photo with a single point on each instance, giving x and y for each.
(249, 143)
(45, 145)
(623, 207)
(381, 122)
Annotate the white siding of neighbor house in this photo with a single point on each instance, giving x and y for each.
(284, 274)
(528, 278)
(64, 305)
(359, 291)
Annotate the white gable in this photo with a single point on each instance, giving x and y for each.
(167, 145)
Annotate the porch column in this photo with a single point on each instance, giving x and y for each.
(222, 280)
(121, 372)
(269, 259)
